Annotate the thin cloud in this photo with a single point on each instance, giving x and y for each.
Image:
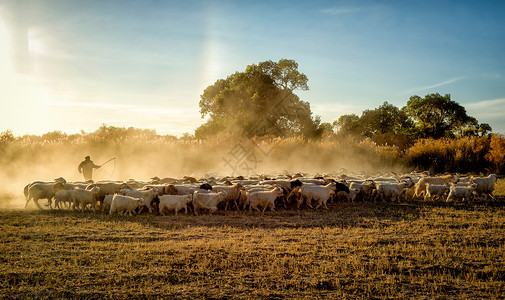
(335, 11)
(489, 111)
(452, 80)
(486, 104)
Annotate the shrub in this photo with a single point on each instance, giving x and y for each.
(450, 155)
(496, 155)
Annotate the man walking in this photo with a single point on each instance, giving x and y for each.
(86, 168)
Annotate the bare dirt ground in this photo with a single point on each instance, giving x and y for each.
(353, 250)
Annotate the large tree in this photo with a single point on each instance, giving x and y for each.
(259, 101)
(438, 116)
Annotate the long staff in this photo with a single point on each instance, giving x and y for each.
(114, 169)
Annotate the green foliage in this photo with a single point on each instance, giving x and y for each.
(285, 74)
(259, 101)
(438, 116)
(386, 124)
(433, 116)
(348, 124)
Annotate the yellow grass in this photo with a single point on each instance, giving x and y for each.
(353, 250)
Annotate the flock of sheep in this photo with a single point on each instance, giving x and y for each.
(255, 193)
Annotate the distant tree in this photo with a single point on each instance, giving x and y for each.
(386, 124)
(387, 118)
(438, 116)
(259, 101)
(473, 128)
(484, 129)
(325, 127)
(6, 136)
(56, 135)
(346, 124)
(114, 134)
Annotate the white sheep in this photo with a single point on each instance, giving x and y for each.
(174, 203)
(485, 186)
(435, 191)
(207, 200)
(63, 196)
(319, 193)
(146, 195)
(81, 198)
(231, 194)
(461, 192)
(41, 190)
(391, 191)
(263, 199)
(420, 187)
(366, 188)
(124, 204)
(107, 202)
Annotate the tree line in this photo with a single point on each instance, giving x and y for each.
(264, 96)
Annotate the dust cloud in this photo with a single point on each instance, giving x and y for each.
(24, 161)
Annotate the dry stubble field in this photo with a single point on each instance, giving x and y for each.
(353, 250)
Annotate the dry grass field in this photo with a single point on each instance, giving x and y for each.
(353, 250)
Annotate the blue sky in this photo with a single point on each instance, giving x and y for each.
(70, 65)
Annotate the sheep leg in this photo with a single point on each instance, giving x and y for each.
(309, 201)
(49, 203)
(37, 203)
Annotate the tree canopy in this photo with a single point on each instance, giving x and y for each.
(386, 124)
(259, 101)
(433, 116)
(438, 116)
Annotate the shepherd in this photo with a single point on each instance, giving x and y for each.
(86, 168)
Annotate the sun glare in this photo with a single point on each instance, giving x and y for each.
(5, 61)
(36, 45)
(23, 99)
